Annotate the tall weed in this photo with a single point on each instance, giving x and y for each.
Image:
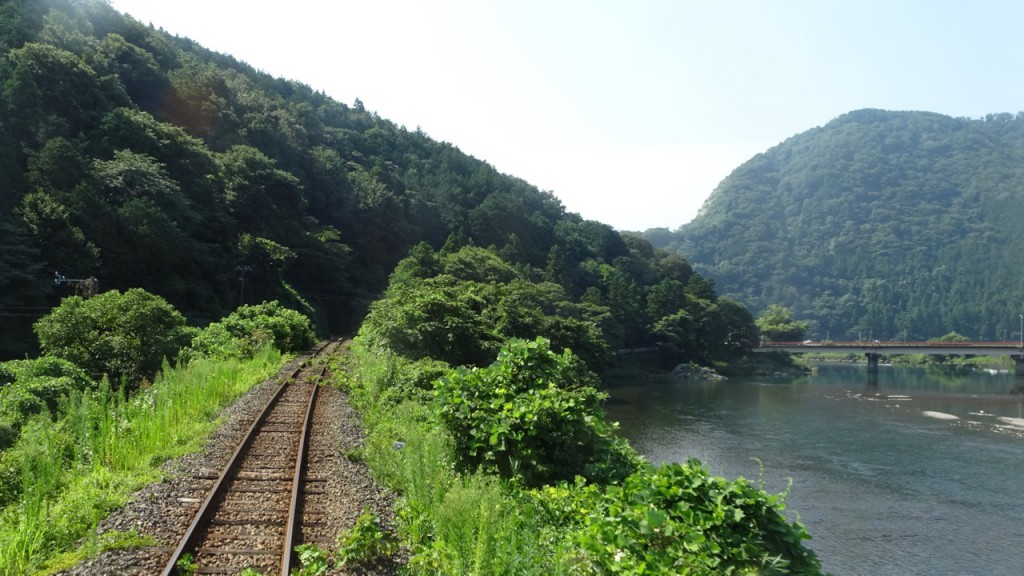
(454, 523)
(73, 470)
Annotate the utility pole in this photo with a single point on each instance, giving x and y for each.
(241, 283)
(84, 287)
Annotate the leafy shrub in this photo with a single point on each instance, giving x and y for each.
(36, 385)
(312, 560)
(473, 303)
(436, 318)
(532, 415)
(124, 336)
(413, 380)
(678, 519)
(365, 543)
(243, 332)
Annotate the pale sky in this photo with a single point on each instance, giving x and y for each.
(632, 111)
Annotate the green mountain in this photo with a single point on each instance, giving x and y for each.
(144, 160)
(890, 225)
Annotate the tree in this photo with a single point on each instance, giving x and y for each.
(51, 92)
(777, 324)
(129, 175)
(675, 337)
(119, 335)
(263, 199)
(438, 318)
(665, 297)
(422, 262)
(625, 299)
(134, 67)
(61, 243)
(58, 168)
(738, 327)
(478, 265)
(23, 286)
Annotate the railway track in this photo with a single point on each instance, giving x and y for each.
(252, 513)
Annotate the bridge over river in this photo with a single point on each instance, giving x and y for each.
(874, 350)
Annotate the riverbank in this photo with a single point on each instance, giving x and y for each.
(884, 486)
(509, 468)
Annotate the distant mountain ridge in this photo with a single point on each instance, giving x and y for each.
(889, 224)
(147, 161)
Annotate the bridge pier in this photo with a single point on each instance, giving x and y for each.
(1018, 360)
(873, 358)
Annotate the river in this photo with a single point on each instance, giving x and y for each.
(919, 473)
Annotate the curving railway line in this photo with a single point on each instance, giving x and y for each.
(252, 512)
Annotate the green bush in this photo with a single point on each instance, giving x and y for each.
(534, 416)
(64, 475)
(438, 318)
(460, 307)
(412, 380)
(124, 336)
(36, 386)
(366, 542)
(243, 332)
(678, 519)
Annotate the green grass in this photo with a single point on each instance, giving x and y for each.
(453, 523)
(69, 473)
(672, 518)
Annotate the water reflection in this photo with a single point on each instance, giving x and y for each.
(914, 471)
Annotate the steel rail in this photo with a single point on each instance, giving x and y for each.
(207, 509)
(288, 554)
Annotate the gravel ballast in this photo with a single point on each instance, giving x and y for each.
(164, 509)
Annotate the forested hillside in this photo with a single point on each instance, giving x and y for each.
(145, 160)
(897, 225)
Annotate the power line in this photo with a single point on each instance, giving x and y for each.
(84, 287)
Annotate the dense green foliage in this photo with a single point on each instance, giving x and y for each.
(474, 303)
(147, 161)
(30, 387)
(509, 466)
(120, 341)
(249, 328)
(777, 324)
(69, 469)
(533, 416)
(678, 519)
(457, 519)
(120, 336)
(901, 225)
(459, 305)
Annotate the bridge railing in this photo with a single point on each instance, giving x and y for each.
(890, 344)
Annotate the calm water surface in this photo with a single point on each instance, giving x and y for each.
(919, 473)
